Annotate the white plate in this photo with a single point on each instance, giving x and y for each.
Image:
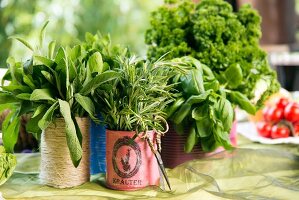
(248, 130)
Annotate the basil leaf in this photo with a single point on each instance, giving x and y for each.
(224, 112)
(191, 141)
(234, 75)
(203, 127)
(45, 61)
(71, 134)
(242, 101)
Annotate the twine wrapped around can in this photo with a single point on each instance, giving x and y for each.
(57, 169)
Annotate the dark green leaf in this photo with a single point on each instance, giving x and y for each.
(198, 98)
(71, 136)
(203, 127)
(28, 80)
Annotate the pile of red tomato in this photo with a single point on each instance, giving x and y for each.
(280, 121)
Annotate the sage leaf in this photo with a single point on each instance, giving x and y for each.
(31, 125)
(48, 117)
(24, 96)
(45, 61)
(87, 105)
(7, 98)
(42, 34)
(25, 43)
(99, 80)
(51, 49)
(40, 109)
(42, 94)
(10, 130)
(71, 136)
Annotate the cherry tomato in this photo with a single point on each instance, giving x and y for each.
(282, 103)
(266, 112)
(296, 129)
(291, 112)
(280, 131)
(264, 129)
(275, 114)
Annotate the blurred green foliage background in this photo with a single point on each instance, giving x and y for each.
(125, 20)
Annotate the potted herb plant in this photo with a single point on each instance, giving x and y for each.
(55, 88)
(233, 67)
(132, 109)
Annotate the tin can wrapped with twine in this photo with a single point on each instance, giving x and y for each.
(57, 169)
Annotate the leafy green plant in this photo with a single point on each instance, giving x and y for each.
(226, 41)
(203, 106)
(138, 98)
(52, 86)
(229, 69)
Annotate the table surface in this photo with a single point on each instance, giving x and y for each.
(251, 171)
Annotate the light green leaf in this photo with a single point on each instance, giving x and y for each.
(24, 96)
(31, 126)
(42, 94)
(45, 61)
(7, 98)
(25, 43)
(95, 63)
(42, 34)
(71, 136)
(16, 88)
(233, 75)
(51, 49)
(29, 82)
(48, 76)
(11, 127)
(48, 117)
(242, 101)
(87, 105)
(40, 109)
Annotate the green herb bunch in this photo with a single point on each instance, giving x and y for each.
(226, 41)
(137, 99)
(203, 106)
(49, 86)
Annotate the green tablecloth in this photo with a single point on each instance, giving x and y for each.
(252, 171)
